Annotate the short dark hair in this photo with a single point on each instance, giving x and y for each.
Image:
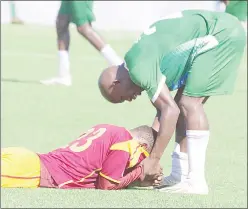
(145, 134)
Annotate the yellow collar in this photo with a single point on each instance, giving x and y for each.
(133, 148)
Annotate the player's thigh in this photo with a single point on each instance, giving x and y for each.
(214, 72)
(179, 96)
(82, 12)
(64, 17)
(19, 168)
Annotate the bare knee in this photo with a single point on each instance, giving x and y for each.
(190, 104)
(85, 30)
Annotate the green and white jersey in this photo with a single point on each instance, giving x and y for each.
(165, 52)
(238, 9)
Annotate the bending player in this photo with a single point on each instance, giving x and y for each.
(80, 13)
(104, 157)
(197, 53)
(14, 17)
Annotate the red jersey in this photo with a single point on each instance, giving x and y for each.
(104, 150)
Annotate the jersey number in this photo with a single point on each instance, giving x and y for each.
(94, 135)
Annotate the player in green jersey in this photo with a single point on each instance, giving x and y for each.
(81, 14)
(239, 10)
(196, 53)
(13, 13)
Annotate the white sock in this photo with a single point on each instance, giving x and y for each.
(111, 56)
(179, 162)
(179, 165)
(197, 142)
(179, 168)
(177, 147)
(64, 63)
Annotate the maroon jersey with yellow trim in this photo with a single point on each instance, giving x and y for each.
(107, 150)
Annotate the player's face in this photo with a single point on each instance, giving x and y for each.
(123, 92)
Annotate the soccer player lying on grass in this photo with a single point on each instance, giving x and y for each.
(104, 157)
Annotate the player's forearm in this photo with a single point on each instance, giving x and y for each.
(124, 181)
(156, 123)
(168, 120)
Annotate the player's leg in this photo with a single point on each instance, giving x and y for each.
(219, 67)
(13, 12)
(63, 42)
(179, 170)
(19, 168)
(83, 17)
(197, 137)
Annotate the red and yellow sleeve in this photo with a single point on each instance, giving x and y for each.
(115, 165)
(130, 177)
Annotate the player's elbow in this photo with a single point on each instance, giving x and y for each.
(171, 109)
(104, 184)
(102, 187)
(106, 187)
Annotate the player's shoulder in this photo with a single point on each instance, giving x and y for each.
(113, 129)
(108, 126)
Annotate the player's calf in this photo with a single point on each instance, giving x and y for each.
(108, 53)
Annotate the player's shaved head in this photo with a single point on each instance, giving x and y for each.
(105, 82)
(116, 86)
(145, 135)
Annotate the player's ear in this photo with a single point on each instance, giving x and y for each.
(144, 145)
(115, 82)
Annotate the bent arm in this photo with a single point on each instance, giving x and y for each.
(132, 176)
(165, 121)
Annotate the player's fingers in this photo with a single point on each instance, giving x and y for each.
(160, 178)
(156, 183)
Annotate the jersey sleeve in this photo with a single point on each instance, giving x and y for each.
(142, 62)
(114, 166)
(129, 178)
(149, 77)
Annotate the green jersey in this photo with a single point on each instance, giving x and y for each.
(165, 52)
(238, 9)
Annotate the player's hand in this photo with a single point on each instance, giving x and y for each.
(151, 169)
(158, 181)
(148, 183)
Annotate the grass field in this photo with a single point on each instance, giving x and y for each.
(42, 118)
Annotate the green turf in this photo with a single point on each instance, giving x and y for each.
(42, 118)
